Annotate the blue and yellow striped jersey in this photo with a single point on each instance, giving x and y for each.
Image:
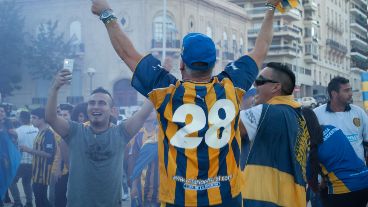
(199, 139)
(41, 166)
(345, 171)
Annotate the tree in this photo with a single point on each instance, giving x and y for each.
(12, 47)
(47, 51)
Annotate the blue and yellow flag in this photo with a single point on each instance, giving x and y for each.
(364, 77)
(286, 5)
(9, 162)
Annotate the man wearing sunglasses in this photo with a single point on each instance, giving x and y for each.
(275, 170)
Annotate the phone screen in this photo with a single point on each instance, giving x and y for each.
(68, 64)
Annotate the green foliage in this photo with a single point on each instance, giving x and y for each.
(11, 47)
(47, 51)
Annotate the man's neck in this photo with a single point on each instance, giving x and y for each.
(43, 127)
(337, 107)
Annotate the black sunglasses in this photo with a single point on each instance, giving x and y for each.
(262, 80)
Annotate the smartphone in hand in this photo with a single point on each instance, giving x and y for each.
(68, 64)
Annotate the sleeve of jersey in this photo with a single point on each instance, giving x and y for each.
(250, 119)
(242, 72)
(150, 75)
(49, 143)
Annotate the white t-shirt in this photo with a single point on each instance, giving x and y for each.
(26, 136)
(250, 118)
(353, 123)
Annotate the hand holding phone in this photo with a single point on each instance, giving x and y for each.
(68, 64)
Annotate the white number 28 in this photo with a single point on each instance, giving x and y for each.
(180, 138)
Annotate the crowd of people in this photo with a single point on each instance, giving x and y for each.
(237, 138)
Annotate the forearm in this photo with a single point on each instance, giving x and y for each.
(40, 153)
(264, 39)
(122, 45)
(135, 123)
(51, 105)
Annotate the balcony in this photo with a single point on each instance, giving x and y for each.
(283, 50)
(358, 62)
(169, 44)
(359, 24)
(259, 12)
(336, 46)
(310, 5)
(357, 10)
(358, 40)
(359, 52)
(283, 31)
(310, 58)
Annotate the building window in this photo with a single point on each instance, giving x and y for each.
(75, 32)
(209, 31)
(158, 30)
(225, 43)
(235, 44)
(241, 48)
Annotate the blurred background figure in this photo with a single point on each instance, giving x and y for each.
(26, 136)
(79, 113)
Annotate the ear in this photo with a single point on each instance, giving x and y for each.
(276, 88)
(182, 65)
(333, 94)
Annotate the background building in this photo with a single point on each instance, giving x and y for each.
(97, 63)
(319, 40)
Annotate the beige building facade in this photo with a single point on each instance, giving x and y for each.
(320, 39)
(142, 20)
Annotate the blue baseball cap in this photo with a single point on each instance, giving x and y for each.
(198, 47)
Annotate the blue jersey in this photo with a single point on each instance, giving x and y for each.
(199, 138)
(345, 171)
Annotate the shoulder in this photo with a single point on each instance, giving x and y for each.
(321, 108)
(357, 109)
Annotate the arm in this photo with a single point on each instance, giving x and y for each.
(134, 123)
(35, 152)
(264, 38)
(59, 124)
(121, 43)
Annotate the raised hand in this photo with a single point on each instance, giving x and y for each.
(98, 6)
(62, 78)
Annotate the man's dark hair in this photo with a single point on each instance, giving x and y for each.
(25, 117)
(285, 76)
(334, 84)
(39, 112)
(66, 107)
(104, 91)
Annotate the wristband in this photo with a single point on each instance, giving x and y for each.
(270, 6)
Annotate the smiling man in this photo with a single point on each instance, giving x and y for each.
(275, 170)
(96, 149)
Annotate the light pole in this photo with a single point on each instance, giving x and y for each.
(91, 72)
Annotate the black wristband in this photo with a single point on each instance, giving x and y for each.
(270, 6)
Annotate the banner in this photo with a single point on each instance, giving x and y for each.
(286, 5)
(364, 78)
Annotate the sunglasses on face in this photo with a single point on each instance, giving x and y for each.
(262, 80)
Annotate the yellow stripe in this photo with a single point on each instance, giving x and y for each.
(338, 187)
(232, 168)
(190, 154)
(365, 86)
(214, 194)
(168, 185)
(365, 105)
(271, 185)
